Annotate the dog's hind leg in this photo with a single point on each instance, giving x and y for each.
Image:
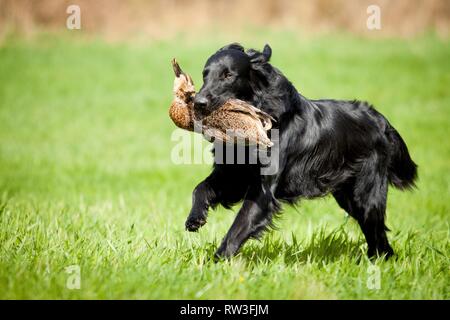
(365, 200)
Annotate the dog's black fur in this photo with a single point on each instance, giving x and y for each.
(346, 148)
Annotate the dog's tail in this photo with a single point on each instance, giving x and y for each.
(402, 169)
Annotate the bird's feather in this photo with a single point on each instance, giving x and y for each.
(236, 105)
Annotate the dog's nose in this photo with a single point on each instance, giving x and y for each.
(200, 102)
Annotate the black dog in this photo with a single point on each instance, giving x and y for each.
(346, 148)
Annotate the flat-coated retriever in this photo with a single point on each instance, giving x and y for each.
(346, 148)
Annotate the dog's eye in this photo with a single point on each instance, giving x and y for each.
(226, 75)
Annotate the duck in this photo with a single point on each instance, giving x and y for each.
(236, 121)
(181, 110)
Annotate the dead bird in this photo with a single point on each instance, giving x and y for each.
(236, 121)
(182, 108)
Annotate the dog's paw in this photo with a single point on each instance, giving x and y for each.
(386, 252)
(194, 223)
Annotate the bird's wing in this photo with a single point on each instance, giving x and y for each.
(236, 105)
(217, 134)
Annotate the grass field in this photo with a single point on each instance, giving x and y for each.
(86, 177)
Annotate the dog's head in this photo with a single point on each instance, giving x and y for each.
(230, 73)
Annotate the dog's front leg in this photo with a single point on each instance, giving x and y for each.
(219, 187)
(203, 197)
(253, 218)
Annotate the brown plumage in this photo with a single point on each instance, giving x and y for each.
(182, 108)
(234, 122)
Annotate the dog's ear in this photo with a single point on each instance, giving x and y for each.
(232, 46)
(260, 69)
(267, 52)
(258, 58)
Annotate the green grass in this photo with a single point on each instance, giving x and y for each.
(86, 176)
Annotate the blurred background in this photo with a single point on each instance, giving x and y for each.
(115, 19)
(86, 176)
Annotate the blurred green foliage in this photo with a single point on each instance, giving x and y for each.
(86, 176)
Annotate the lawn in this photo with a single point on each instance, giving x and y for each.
(86, 176)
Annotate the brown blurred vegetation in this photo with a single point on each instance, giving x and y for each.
(116, 19)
